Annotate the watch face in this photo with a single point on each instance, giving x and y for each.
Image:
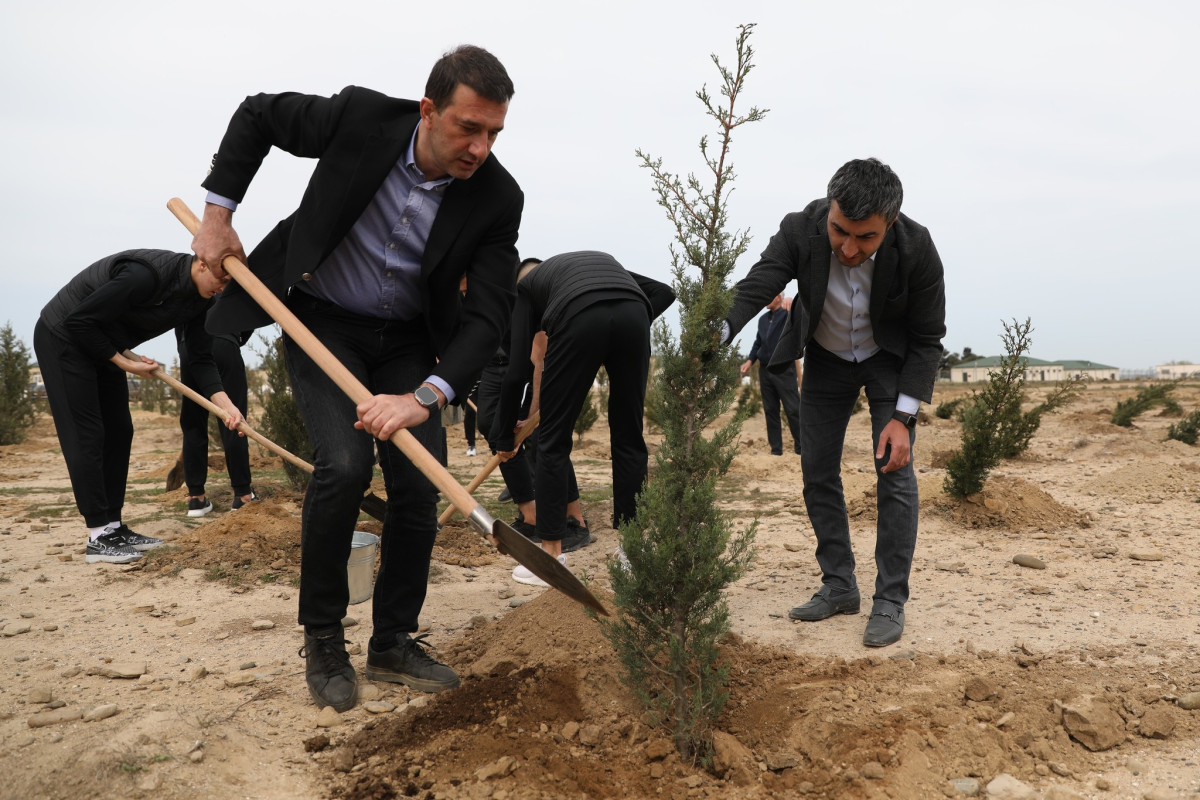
(426, 396)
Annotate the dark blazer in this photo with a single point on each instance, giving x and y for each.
(357, 136)
(908, 293)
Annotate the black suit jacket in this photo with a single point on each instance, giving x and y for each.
(357, 136)
(908, 293)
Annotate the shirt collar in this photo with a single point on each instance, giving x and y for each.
(410, 162)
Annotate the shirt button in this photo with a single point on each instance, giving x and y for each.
(388, 274)
(385, 305)
(391, 245)
(306, 276)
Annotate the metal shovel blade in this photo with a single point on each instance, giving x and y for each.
(545, 566)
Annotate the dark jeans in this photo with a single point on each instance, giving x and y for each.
(779, 388)
(831, 385)
(193, 421)
(614, 334)
(89, 401)
(388, 357)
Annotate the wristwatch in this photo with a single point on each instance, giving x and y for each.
(909, 420)
(427, 397)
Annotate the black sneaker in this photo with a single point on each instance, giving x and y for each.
(110, 549)
(526, 529)
(135, 540)
(505, 496)
(199, 506)
(238, 502)
(408, 663)
(578, 536)
(331, 679)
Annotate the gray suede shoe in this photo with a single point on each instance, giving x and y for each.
(825, 603)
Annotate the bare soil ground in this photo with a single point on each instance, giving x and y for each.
(213, 701)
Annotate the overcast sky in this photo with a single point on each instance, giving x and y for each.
(1051, 148)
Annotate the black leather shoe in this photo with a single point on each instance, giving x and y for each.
(331, 679)
(505, 496)
(825, 603)
(407, 662)
(884, 627)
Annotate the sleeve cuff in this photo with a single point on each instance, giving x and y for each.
(907, 405)
(221, 200)
(434, 380)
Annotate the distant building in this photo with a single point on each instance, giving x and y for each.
(980, 369)
(1170, 372)
(1090, 371)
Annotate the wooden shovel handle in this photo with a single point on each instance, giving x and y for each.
(213, 408)
(422, 459)
(530, 424)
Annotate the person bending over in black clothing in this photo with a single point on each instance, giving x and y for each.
(193, 421)
(594, 313)
(80, 339)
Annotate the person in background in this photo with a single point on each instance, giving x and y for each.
(193, 422)
(81, 338)
(594, 313)
(778, 387)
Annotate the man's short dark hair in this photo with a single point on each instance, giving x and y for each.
(473, 67)
(865, 187)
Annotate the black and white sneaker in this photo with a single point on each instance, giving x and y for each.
(135, 540)
(199, 506)
(238, 502)
(111, 549)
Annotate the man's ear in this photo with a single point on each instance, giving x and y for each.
(427, 109)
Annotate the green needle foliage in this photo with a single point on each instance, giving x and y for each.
(1187, 430)
(994, 427)
(586, 419)
(17, 410)
(281, 422)
(682, 550)
(1129, 409)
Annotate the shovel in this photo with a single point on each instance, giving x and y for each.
(530, 425)
(371, 503)
(528, 554)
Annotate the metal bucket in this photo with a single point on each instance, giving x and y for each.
(360, 569)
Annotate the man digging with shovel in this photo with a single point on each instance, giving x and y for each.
(403, 202)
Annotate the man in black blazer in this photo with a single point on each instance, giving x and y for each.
(404, 202)
(778, 388)
(870, 313)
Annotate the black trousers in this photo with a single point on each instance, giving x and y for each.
(614, 334)
(89, 401)
(388, 357)
(779, 388)
(193, 421)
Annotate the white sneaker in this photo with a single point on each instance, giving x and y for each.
(470, 452)
(522, 574)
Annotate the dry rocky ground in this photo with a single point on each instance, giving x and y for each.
(177, 677)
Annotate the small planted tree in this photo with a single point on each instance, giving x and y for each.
(586, 419)
(682, 551)
(17, 410)
(1129, 409)
(994, 427)
(1187, 430)
(281, 422)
